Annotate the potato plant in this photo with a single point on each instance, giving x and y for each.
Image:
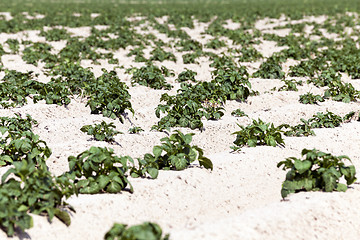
(144, 231)
(175, 153)
(318, 171)
(34, 190)
(151, 76)
(101, 132)
(93, 171)
(258, 133)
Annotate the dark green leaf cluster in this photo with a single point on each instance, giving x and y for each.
(151, 76)
(109, 96)
(239, 113)
(344, 92)
(249, 54)
(231, 79)
(98, 170)
(191, 57)
(258, 133)
(215, 43)
(34, 190)
(145, 231)
(101, 132)
(325, 120)
(106, 94)
(189, 45)
(175, 153)
(158, 54)
(318, 120)
(38, 51)
(308, 68)
(318, 171)
(181, 20)
(16, 87)
(13, 44)
(302, 129)
(310, 98)
(135, 129)
(55, 34)
(187, 75)
(190, 104)
(138, 53)
(28, 187)
(19, 143)
(270, 69)
(290, 85)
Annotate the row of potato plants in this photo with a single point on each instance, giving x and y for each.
(29, 187)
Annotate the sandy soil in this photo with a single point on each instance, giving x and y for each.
(239, 199)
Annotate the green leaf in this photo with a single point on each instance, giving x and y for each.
(103, 180)
(188, 138)
(341, 187)
(302, 166)
(206, 163)
(63, 216)
(113, 187)
(180, 163)
(157, 150)
(153, 172)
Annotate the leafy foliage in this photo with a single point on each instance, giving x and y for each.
(270, 69)
(258, 133)
(175, 153)
(160, 55)
(290, 85)
(18, 142)
(95, 171)
(101, 132)
(109, 96)
(310, 98)
(37, 192)
(239, 113)
(145, 231)
(135, 129)
(151, 76)
(55, 34)
(187, 75)
(318, 171)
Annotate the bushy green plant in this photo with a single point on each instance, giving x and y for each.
(310, 98)
(135, 129)
(290, 85)
(109, 96)
(317, 171)
(270, 69)
(33, 190)
(258, 133)
(55, 34)
(325, 120)
(215, 44)
(151, 76)
(160, 55)
(145, 231)
(302, 129)
(98, 170)
(101, 132)
(187, 75)
(239, 113)
(175, 153)
(13, 44)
